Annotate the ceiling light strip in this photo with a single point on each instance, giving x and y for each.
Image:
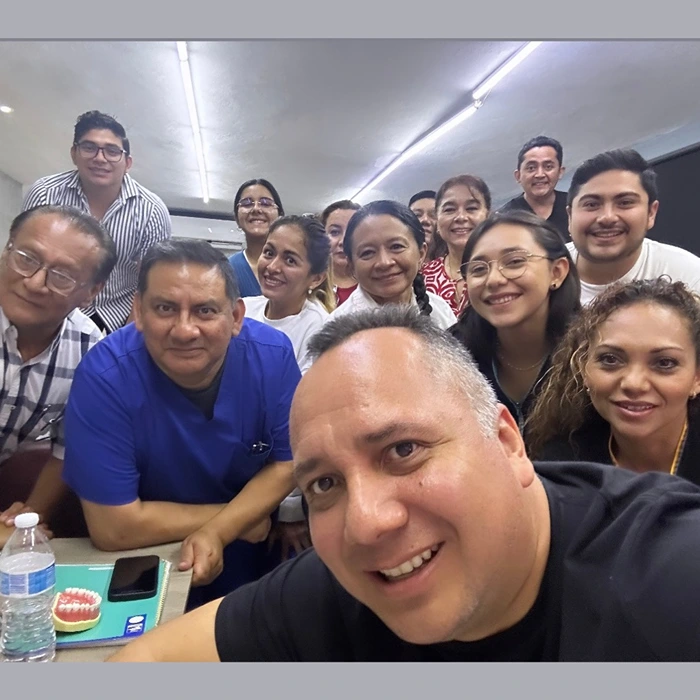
(485, 87)
(194, 118)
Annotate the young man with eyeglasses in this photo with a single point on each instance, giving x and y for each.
(56, 260)
(101, 186)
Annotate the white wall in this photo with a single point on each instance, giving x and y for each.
(10, 204)
(224, 235)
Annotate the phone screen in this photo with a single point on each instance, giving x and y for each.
(134, 578)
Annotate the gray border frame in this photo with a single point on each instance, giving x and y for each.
(206, 19)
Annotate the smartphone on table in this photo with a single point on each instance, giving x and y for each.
(134, 578)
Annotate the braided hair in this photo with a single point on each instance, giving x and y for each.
(403, 214)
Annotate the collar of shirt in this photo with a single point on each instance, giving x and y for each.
(9, 336)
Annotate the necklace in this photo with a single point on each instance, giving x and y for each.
(449, 268)
(539, 363)
(676, 455)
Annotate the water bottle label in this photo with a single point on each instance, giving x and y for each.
(31, 583)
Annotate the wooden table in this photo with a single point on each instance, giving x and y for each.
(81, 551)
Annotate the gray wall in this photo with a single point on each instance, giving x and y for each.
(10, 204)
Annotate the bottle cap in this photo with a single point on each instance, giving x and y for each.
(26, 520)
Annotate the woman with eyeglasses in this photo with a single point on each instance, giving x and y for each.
(624, 383)
(461, 203)
(523, 292)
(385, 246)
(255, 206)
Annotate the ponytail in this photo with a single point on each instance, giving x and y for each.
(422, 295)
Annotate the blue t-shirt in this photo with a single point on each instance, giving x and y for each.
(248, 285)
(131, 433)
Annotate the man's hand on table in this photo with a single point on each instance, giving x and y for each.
(7, 518)
(203, 552)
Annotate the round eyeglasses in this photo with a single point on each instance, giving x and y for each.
(511, 266)
(27, 266)
(263, 203)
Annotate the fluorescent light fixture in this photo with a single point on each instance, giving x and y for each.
(6, 110)
(515, 60)
(451, 123)
(419, 145)
(194, 118)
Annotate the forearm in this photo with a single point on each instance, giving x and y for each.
(187, 638)
(260, 496)
(48, 490)
(145, 523)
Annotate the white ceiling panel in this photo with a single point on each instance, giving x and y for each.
(320, 118)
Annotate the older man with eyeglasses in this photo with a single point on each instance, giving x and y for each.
(56, 260)
(101, 186)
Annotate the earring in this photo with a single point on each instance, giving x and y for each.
(554, 285)
(311, 290)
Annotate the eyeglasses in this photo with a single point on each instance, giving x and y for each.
(511, 266)
(112, 153)
(27, 266)
(263, 203)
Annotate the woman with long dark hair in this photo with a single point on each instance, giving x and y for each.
(385, 245)
(624, 383)
(255, 206)
(523, 292)
(461, 203)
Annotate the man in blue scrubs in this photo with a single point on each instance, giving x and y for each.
(177, 424)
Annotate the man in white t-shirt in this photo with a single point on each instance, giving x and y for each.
(612, 203)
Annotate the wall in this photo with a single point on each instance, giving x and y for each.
(679, 190)
(10, 204)
(223, 234)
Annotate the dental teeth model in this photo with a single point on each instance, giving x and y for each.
(76, 610)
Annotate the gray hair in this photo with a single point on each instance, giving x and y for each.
(82, 222)
(449, 360)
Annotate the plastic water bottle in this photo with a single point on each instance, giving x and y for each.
(27, 581)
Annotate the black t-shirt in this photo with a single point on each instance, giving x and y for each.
(559, 218)
(205, 399)
(590, 443)
(622, 583)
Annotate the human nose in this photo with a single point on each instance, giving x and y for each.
(37, 282)
(635, 379)
(100, 155)
(607, 213)
(384, 259)
(495, 275)
(274, 264)
(373, 511)
(185, 328)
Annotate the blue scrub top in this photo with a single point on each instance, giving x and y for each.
(248, 285)
(131, 432)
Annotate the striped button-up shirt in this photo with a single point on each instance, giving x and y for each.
(33, 394)
(136, 220)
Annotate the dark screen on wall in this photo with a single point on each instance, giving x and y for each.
(678, 220)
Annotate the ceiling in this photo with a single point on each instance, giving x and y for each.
(320, 118)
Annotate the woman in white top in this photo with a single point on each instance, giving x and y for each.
(385, 244)
(297, 296)
(293, 273)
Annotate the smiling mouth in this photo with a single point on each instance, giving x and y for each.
(500, 300)
(411, 566)
(272, 282)
(634, 406)
(606, 234)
